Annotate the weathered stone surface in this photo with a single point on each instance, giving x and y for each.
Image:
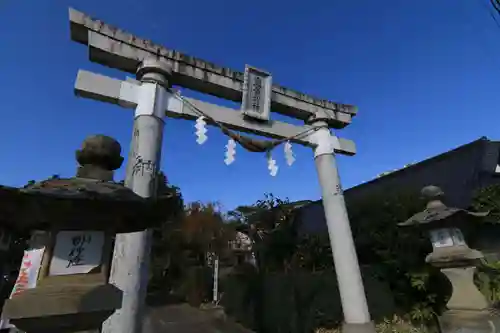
(119, 49)
(465, 293)
(464, 321)
(436, 211)
(67, 308)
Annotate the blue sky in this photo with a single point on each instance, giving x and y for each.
(424, 74)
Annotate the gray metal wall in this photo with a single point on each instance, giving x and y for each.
(458, 172)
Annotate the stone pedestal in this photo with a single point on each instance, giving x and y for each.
(469, 321)
(469, 311)
(68, 297)
(465, 294)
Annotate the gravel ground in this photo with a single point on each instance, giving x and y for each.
(186, 319)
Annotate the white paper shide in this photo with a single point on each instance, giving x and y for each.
(76, 252)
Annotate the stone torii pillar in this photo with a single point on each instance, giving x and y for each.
(352, 294)
(130, 266)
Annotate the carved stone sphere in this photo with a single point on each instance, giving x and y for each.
(431, 192)
(102, 151)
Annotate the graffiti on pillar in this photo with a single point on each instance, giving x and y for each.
(135, 143)
(143, 166)
(338, 190)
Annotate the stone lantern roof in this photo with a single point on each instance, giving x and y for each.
(90, 200)
(436, 211)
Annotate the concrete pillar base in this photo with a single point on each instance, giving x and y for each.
(358, 328)
(466, 321)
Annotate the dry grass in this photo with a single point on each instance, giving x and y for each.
(394, 325)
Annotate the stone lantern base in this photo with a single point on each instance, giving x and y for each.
(73, 308)
(469, 311)
(469, 321)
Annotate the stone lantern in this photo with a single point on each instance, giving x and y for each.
(467, 309)
(80, 217)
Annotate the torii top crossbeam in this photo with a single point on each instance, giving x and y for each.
(118, 49)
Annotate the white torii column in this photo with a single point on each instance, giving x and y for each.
(352, 293)
(131, 255)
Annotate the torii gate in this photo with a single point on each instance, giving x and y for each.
(157, 68)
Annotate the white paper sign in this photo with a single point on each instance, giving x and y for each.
(76, 252)
(28, 276)
(28, 272)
